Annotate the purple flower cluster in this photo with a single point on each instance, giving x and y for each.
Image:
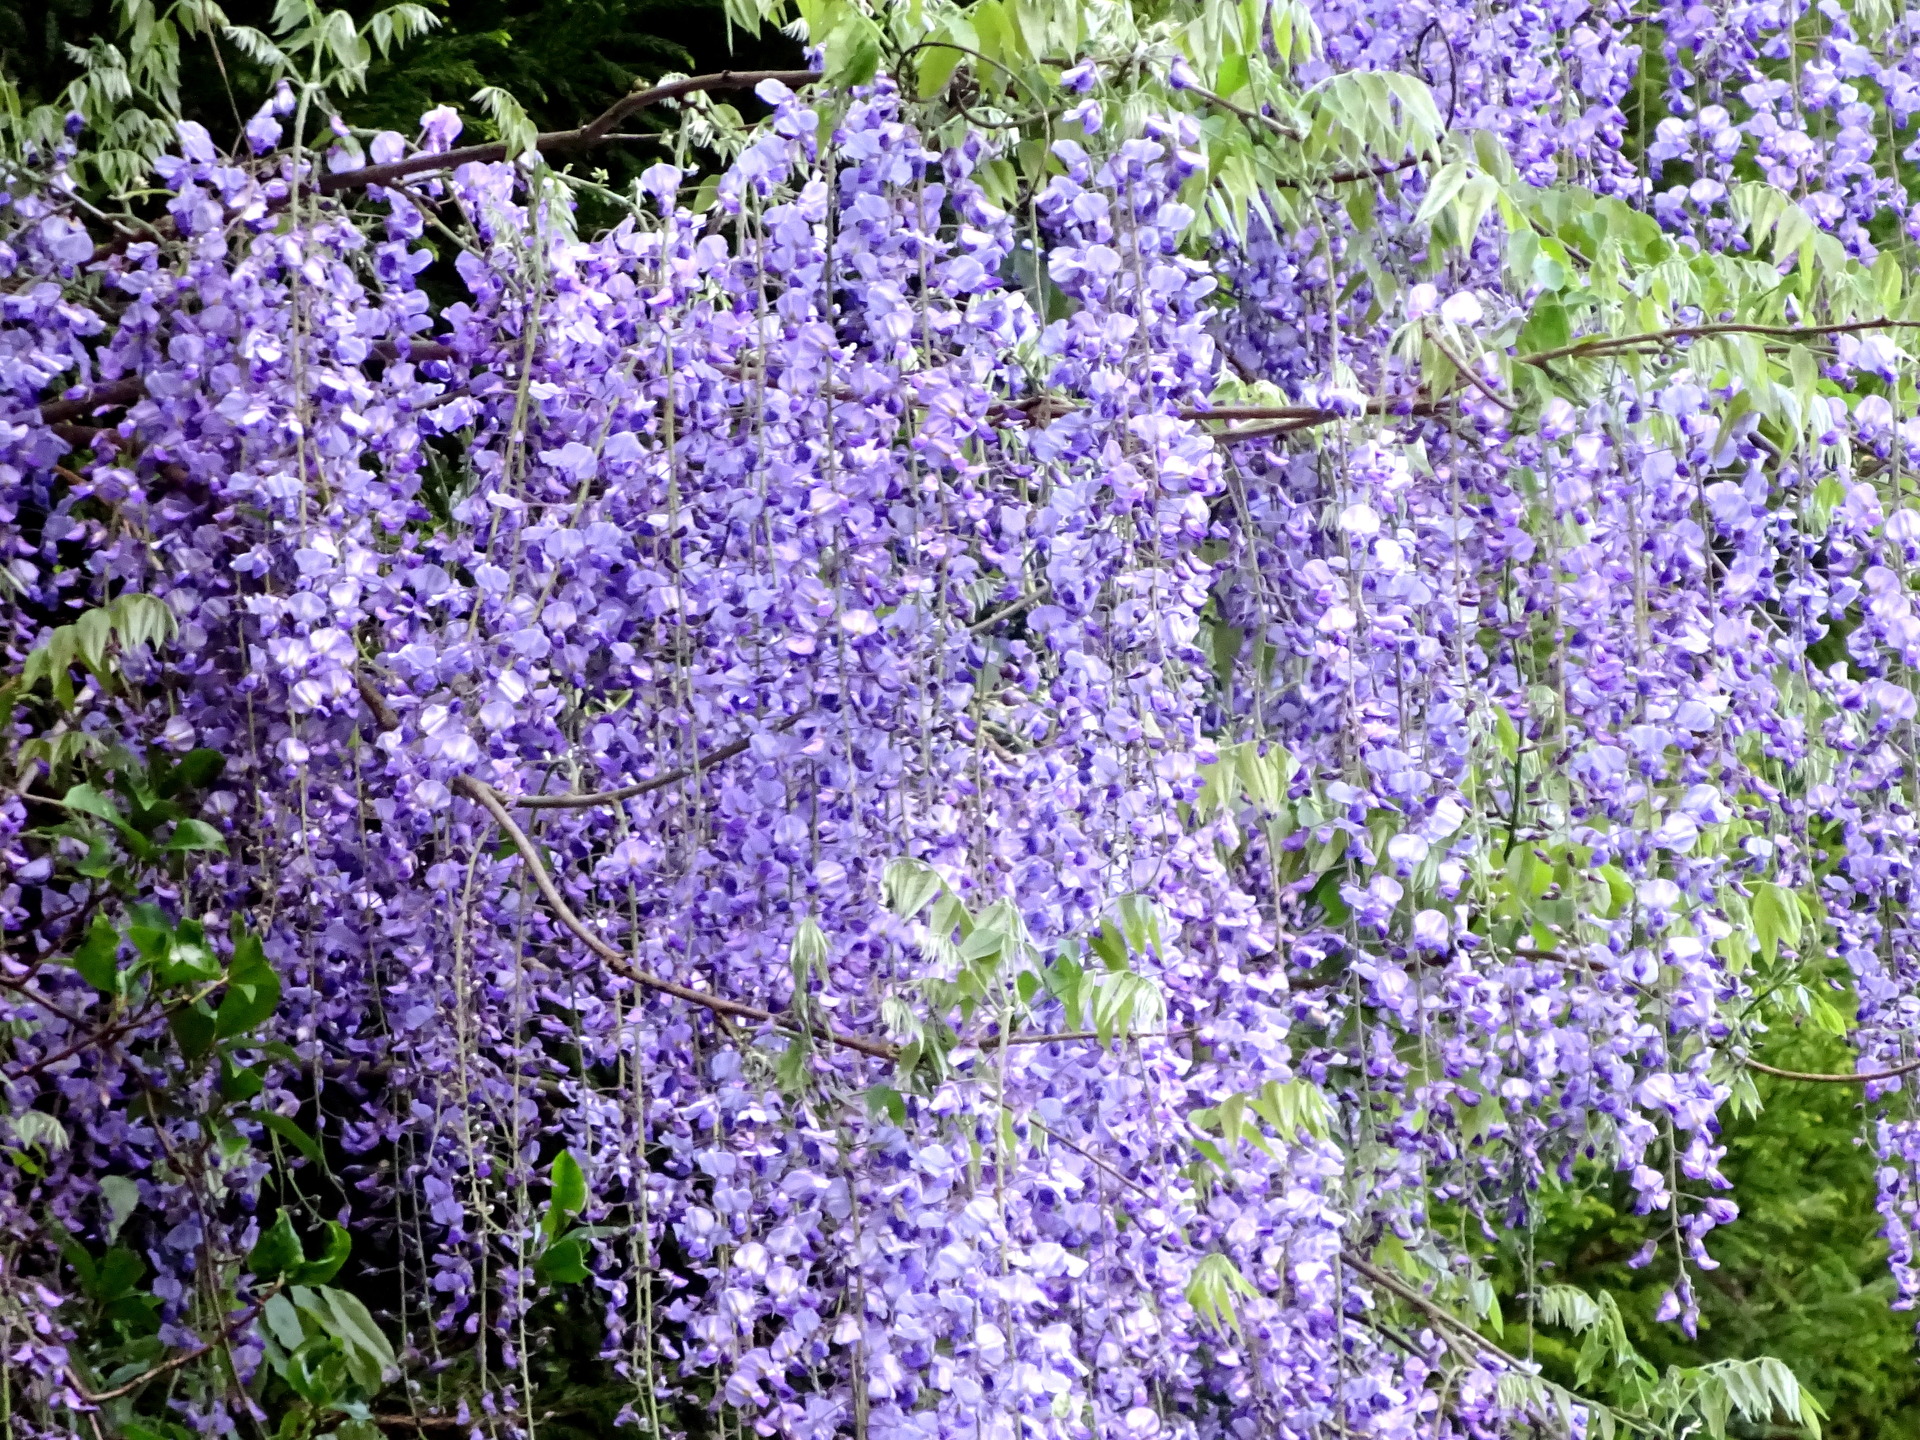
(1015, 899)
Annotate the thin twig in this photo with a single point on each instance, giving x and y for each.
(619, 963)
(594, 132)
(421, 1422)
(701, 763)
(994, 1042)
(25, 989)
(1431, 1308)
(1863, 1079)
(186, 1357)
(1472, 376)
(1252, 117)
(389, 719)
(1005, 612)
(1347, 177)
(1120, 1175)
(1599, 344)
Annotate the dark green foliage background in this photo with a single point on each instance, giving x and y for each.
(1802, 1274)
(564, 60)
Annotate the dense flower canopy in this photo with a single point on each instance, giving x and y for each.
(990, 773)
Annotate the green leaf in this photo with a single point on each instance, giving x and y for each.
(283, 1319)
(89, 801)
(1619, 890)
(322, 1269)
(937, 64)
(187, 960)
(193, 1029)
(887, 1101)
(1141, 923)
(119, 1271)
(1296, 1108)
(853, 49)
(276, 1251)
(369, 1355)
(253, 990)
(238, 1084)
(42, 1131)
(562, 1263)
(97, 958)
(1548, 327)
(1776, 917)
(1505, 735)
(309, 1372)
(908, 886)
(517, 132)
(122, 1196)
(1214, 1290)
(150, 931)
(196, 770)
(808, 953)
(93, 630)
(195, 835)
(290, 1132)
(569, 1193)
(1233, 75)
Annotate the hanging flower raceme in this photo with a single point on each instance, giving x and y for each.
(946, 816)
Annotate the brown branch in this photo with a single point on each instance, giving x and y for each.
(389, 719)
(118, 393)
(113, 392)
(559, 142)
(102, 1037)
(1432, 1308)
(587, 800)
(618, 962)
(994, 1042)
(1467, 372)
(185, 1357)
(496, 805)
(1867, 1078)
(1289, 419)
(421, 1422)
(24, 988)
(107, 1034)
(1119, 1175)
(1005, 612)
(1273, 431)
(384, 715)
(1252, 117)
(1600, 344)
(1254, 412)
(1347, 177)
(417, 351)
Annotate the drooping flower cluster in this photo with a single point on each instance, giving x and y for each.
(785, 733)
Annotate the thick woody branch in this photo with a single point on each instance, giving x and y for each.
(560, 142)
(113, 392)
